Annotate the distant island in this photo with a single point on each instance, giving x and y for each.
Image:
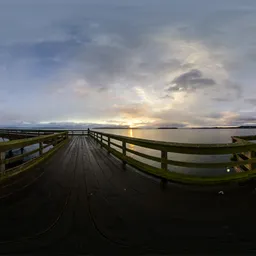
(167, 128)
(113, 127)
(223, 127)
(248, 127)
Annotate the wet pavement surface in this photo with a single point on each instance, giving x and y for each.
(82, 201)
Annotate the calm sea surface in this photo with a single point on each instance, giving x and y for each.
(184, 136)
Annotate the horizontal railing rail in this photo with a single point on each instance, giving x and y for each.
(78, 132)
(55, 140)
(238, 146)
(71, 132)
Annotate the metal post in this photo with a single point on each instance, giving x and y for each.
(164, 157)
(101, 140)
(2, 158)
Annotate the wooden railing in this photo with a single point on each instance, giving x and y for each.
(243, 151)
(242, 156)
(78, 132)
(235, 148)
(56, 140)
(36, 132)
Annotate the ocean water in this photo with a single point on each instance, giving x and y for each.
(207, 136)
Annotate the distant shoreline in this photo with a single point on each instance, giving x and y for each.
(171, 128)
(128, 128)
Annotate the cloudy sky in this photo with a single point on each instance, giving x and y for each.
(129, 62)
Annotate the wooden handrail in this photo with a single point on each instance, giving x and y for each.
(185, 148)
(9, 145)
(239, 145)
(55, 138)
(34, 132)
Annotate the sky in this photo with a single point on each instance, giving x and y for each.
(141, 63)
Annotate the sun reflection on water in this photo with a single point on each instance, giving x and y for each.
(131, 135)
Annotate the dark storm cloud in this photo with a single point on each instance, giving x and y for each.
(191, 81)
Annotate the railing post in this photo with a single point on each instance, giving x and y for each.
(163, 157)
(108, 145)
(234, 156)
(101, 140)
(40, 148)
(233, 139)
(251, 155)
(2, 158)
(124, 150)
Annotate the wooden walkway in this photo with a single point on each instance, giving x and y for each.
(82, 200)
